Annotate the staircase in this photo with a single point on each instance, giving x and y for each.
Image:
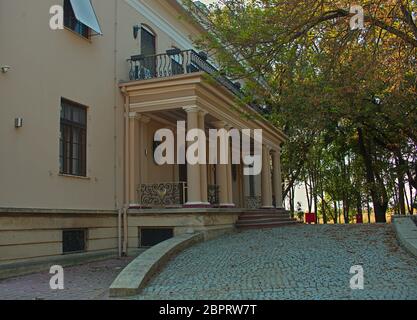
(268, 218)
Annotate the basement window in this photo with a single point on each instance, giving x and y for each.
(74, 241)
(149, 237)
(80, 17)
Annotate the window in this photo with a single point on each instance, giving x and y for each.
(79, 16)
(73, 139)
(74, 241)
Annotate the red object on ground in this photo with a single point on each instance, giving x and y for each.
(359, 218)
(310, 217)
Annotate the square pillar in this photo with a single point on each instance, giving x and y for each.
(277, 177)
(266, 179)
(230, 181)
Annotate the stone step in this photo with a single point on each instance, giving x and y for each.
(266, 225)
(267, 211)
(262, 215)
(264, 218)
(262, 221)
(261, 218)
(273, 212)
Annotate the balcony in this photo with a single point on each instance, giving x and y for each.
(176, 62)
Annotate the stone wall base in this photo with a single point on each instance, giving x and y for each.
(31, 240)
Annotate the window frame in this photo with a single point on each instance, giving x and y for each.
(66, 147)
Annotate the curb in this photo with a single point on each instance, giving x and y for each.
(406, 231)
(137, 274)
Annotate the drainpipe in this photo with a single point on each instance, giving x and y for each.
(126, 175)
(125, 231)
(119, 231)
(116, 111)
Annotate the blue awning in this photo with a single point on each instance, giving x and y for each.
(84, 12)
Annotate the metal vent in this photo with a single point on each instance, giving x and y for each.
(74, 241)
(149, 237)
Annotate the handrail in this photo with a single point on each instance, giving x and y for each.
(177, 62)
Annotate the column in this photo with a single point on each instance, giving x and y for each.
(222, 172)
(133, 158)
(266, 179)
(193, 171)
(144, 148)
(203, 167)
(277, 177)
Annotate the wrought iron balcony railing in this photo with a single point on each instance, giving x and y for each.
(253, 202)
(162, 195)
(171, 195)
(214, 195)
(176, 62)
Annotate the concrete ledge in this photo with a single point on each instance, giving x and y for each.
(406, 231)
(137, 274)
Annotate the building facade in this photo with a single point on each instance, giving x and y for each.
(79, 111)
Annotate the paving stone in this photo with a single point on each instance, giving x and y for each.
(86, 282)
(303, 262)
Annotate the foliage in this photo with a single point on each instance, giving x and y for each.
(346, 98)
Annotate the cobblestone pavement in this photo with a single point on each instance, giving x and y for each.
(86, 282)
(300, 262)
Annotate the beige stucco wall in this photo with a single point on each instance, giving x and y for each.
(48, 65)
(156, 173)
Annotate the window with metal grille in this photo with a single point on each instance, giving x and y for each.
(71, 22)
(73, 139)
(74, 241)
